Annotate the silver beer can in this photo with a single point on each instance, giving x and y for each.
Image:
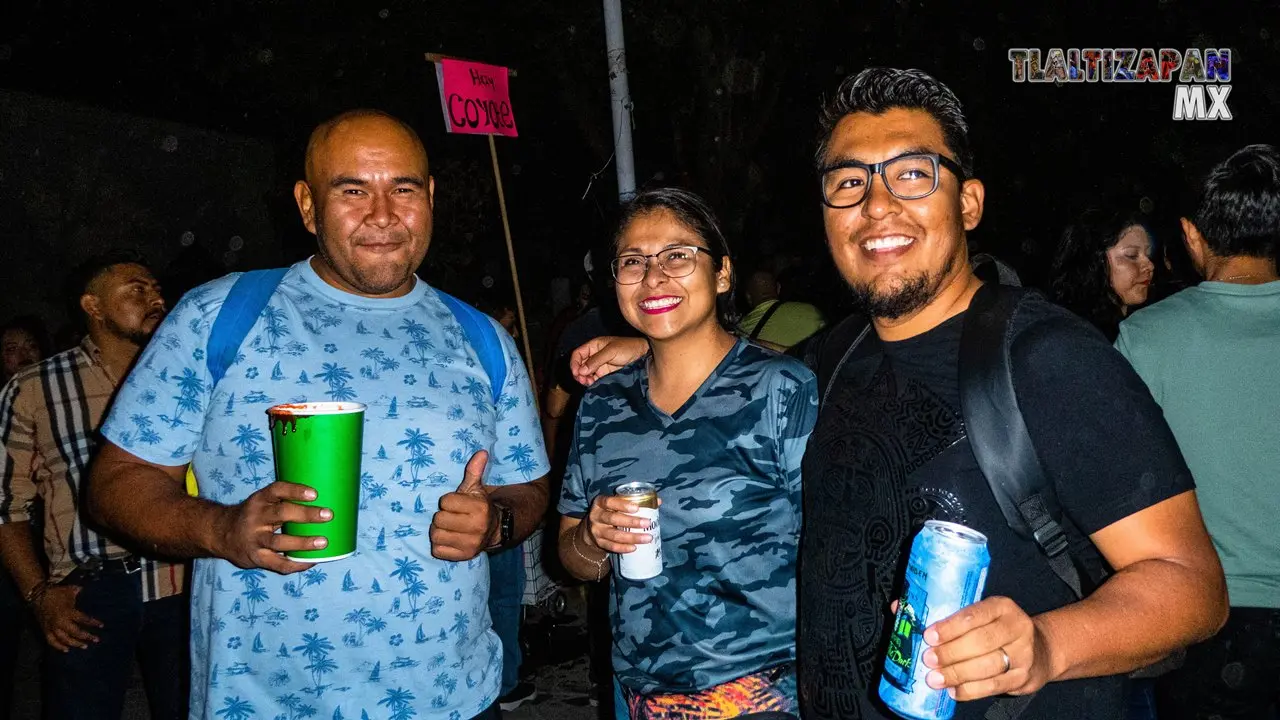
(646, 561)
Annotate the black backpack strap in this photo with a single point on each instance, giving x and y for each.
(764, 319)
(834, 350)
(998, 434)
(1002, 446)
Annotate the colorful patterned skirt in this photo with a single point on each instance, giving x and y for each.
(772, 690)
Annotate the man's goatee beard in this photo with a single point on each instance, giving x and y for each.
(915, 293)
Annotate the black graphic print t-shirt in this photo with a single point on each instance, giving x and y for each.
(890, 452)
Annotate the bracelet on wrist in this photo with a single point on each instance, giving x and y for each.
(598, 564)
(36, 593)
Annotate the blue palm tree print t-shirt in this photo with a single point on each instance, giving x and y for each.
(390, 632)
(727, 468)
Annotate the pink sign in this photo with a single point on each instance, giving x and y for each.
(475, 99)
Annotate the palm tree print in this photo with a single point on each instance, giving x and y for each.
(314, 576)
(522, 455)
(420, 346)
(247, 438)
(225, 487)
(254, 594)
(469, 446)
(460, 628)
(406, 571)
(414, 589)
(336, 377)
(233, 708)
(480, 398)
(379, 362)
(360, 618)
(297, 709)
(506, 403)
(316, 648)
(317, 319)
(446, 682)
(366, 480)
(190, 387)
(275, 328)
(397, 701)
(146, 433)
(417, 443)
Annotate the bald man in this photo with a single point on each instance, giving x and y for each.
(403, 626)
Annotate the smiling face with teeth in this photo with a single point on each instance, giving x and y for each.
(662, 307)
(900, 256)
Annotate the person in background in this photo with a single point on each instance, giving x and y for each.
(713, 636)
(23, 342)
(774, 323)
(1103, 267)
(507, 572)
(98, 604)
(1211, 357)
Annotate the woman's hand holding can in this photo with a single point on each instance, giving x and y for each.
(606, 521)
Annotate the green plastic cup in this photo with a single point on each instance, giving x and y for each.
(318, 444)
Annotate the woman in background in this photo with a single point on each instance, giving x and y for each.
(1103, 267)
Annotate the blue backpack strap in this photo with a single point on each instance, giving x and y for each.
(244, 303)
(483, 338)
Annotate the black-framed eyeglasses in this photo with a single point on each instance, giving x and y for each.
(675, 262)
(908, 177)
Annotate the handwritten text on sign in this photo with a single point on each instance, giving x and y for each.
(475, 99)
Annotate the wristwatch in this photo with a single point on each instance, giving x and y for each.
(506, 524)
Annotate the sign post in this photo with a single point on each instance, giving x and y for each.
(476, 101)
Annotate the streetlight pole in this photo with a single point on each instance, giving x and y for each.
(620, 99)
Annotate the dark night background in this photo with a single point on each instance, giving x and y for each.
(177, 128)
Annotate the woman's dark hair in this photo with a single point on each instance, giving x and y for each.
(694, 213)
(1080, 279)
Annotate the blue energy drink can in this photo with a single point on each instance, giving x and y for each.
(946, 571)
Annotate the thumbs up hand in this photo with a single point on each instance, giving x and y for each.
(466, 523)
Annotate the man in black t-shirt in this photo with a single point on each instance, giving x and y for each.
(890, 450)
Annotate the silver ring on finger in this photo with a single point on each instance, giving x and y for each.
(1005, 657)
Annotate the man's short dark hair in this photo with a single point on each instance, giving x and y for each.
(91, 269)
(1239, 212)
(877, 90)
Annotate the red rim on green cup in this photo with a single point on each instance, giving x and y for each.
(318, 444)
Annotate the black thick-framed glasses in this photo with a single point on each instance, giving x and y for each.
(675, 262)
(908, 177)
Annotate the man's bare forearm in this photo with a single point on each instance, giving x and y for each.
(18, 550)
(1137, 617)
(528, 503)
(150, 508)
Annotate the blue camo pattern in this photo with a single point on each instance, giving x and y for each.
(391, 632)
(727, 467)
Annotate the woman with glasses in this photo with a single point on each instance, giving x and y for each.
(719, 426)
